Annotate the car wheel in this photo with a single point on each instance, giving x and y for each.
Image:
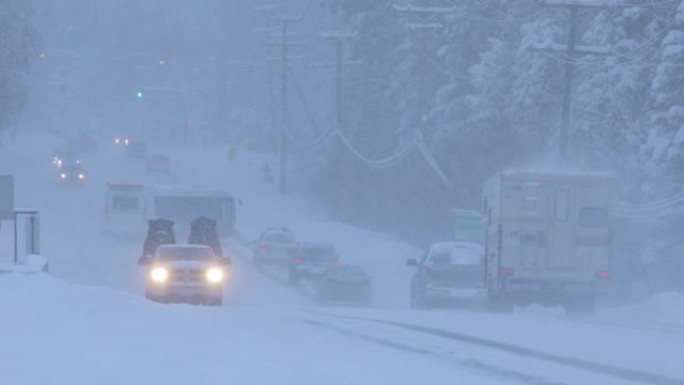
(417, 300)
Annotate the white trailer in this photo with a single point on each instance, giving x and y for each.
(548, 238)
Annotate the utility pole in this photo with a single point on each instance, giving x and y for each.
(283, 43)
(571, 50)
(283, 112)
(338, 37)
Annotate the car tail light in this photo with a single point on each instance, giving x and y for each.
(297, 261)
(337, 262)
(506, 271)
(263, 245)
(603, 274)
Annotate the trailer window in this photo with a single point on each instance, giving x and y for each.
(562, 206)
(593, 217)
(125, 203)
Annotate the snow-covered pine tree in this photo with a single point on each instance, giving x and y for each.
(665, 146)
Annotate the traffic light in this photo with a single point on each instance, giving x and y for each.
(139, 95)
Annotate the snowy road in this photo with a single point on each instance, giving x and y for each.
(98, 328)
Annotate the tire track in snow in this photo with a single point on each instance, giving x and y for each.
(470, 364)
(632, 375)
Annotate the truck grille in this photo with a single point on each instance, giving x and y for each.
(186, 276)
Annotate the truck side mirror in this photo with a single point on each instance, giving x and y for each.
(412, 262)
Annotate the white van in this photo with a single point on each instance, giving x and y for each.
(548, 238)
(125, 209)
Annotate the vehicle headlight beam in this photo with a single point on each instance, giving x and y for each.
(214, 275)
(159, 274)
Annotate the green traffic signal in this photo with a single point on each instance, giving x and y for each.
(139, 94)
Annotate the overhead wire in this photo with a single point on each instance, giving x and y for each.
(430, 159)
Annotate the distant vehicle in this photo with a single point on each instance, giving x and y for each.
(449, 273)
(159, 163)
(82, 143)
(311, 261)
(185, 273)
(136, 150)
(275, 246)
(121, 141)
(71, 173)
(344, 283)
(64, 155)
(548, 238)
(125, 208)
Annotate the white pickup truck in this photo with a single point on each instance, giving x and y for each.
(548, 238)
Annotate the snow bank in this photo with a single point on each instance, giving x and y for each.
(664, 310)
(29, 264)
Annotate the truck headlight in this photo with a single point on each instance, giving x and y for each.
(214, 275)
(159, 274)
(81, 176)
(63, 176)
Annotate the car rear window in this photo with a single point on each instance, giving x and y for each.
(593, 217)
(125, 203)
(318, 251)
(185, 254)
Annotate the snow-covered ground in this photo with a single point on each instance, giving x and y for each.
(88, 323)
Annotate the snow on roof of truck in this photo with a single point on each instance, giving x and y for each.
(125, 186)
(462, 253)
(188, 190)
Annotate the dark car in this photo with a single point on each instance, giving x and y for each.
(71, 173)
(159, 163)
(136, 150)
(311, 261)
(344, 283)
(449, 273)
(275, 246)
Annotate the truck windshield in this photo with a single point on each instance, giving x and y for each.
(125, 203)
(185, 254)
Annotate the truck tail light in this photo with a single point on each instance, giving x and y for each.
(603, 274)
(505, 271)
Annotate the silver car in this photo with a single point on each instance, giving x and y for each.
(275, 246)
